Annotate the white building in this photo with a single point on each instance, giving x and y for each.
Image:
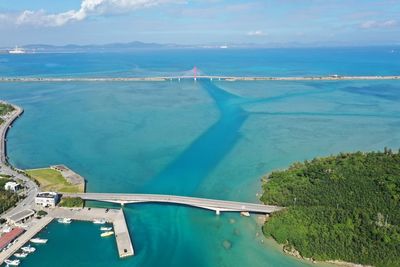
(47, 199)
(12, 186)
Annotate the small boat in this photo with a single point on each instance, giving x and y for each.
(103, 228)
(64, 220)
(28, 249)
(39, 240)
(21, 255)
(108, 233)
(245, 213)
(99, 221)
(12, 262)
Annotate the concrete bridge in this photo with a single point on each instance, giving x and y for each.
(190, 77)
(210, 204)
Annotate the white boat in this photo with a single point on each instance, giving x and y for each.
(99, 221)
(39, 240)
(245, 213)
(103, 228)
(21, 255)
(28, 249)
(17, 50)
(64, 220)
(108, 233)
(12, 262)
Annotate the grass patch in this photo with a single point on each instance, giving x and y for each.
(5, 108)
(52, 180)
(71, 202)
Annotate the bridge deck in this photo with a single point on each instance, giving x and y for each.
(212, 204)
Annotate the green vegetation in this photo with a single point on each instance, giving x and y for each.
(52, 180)
(71, 202)
(5, 108)
(344, 207)
(41, 213)
(7, 199)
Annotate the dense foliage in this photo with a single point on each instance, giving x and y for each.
(344, 207)
(5, 108)
(71, 202)
(7, 198)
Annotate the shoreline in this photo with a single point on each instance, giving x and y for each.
(210, 77)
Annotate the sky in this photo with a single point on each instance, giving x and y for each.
(283, 22)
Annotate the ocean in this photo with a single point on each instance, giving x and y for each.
(212, 139)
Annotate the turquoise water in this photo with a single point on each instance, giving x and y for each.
(212, 139)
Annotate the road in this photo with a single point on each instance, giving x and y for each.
(31, 188)
(210, 204)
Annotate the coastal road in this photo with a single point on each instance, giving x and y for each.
(31, 188)
(210, 204)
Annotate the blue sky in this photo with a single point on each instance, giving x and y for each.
(351, 22)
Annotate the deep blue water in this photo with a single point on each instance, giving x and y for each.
(246, 62)
(208, 138)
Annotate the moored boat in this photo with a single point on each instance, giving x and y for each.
(12, 262)
(104, 228)
(21, 255)
(38, 240)
(64, 220)
(245, 213)
(28, 249)
(99, 221)
(108, 233)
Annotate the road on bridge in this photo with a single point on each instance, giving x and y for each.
(210, 204)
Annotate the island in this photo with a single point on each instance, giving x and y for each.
(342, 208)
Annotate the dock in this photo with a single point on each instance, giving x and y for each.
(114, 216)
(36, 227)
(124, 243)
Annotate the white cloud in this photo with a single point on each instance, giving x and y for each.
(256, 33)
(378, 24)
(88, 8)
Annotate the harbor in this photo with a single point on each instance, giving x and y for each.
(35, 227)
(63, 215)
(114, 216)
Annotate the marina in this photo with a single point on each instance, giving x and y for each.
(66, 216)
(114, 216)
(34, 229)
